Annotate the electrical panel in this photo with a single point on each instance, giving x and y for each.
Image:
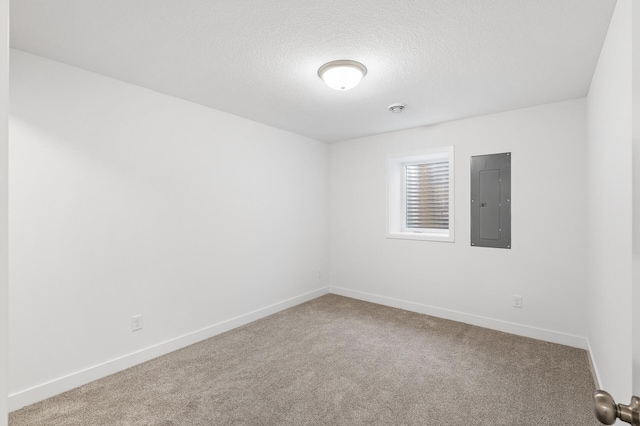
(491, 200)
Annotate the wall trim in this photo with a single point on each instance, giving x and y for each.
(477, 320)
(592, 366)
(62, 384)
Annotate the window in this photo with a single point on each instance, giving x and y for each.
(421, 196)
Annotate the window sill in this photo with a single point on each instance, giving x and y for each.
(447, 238)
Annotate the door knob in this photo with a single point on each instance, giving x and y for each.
(607, 411)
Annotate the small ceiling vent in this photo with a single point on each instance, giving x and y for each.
(396, 108)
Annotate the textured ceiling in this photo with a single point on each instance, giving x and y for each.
(445, 59)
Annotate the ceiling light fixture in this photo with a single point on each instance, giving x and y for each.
(342, 75)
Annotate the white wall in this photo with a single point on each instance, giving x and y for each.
(124, 201)
(4, 106)
(546, 264)
(609, 159)
(636, 197)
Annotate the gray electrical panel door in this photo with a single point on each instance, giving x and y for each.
(491, 200)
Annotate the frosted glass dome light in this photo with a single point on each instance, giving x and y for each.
(342, 75)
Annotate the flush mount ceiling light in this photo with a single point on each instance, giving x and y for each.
(342, 75)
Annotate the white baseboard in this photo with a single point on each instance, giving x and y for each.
(593, 366)
(54, 387)
(79, 378)
(494, 324)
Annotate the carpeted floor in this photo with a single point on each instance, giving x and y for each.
(339, 361)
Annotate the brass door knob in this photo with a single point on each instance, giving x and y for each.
(607, 411)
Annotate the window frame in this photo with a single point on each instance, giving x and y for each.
(397, 206)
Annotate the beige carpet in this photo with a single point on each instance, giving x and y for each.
(339, 361)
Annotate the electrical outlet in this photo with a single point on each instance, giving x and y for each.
(517, 301)
(136, 322)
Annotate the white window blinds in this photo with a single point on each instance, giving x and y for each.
(427, 195)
